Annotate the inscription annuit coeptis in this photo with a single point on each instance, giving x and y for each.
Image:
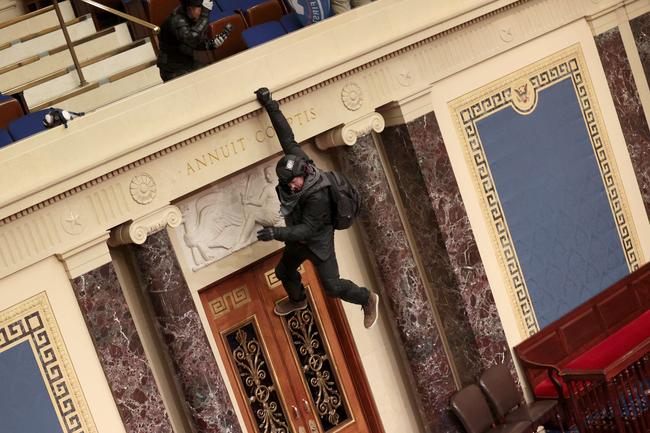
(238, 145)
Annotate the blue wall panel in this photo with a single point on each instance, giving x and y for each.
(554, 201)
(25, 405)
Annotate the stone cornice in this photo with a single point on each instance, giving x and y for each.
(182, 161)
(87, 256)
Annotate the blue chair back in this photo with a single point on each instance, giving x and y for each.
(233, 5)
(310, 11)
(27, 125)
(259, 34)
(5, 138)
(291, 22)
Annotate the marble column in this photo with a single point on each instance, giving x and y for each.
(626, 97)
(403, 290)
(116, 340)
(641, 31)
(445, 242)
(179, 324)
(120, 351)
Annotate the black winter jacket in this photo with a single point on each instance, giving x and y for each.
(179, 37)
(310, 221)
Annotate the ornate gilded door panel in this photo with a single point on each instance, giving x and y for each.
(290, 372)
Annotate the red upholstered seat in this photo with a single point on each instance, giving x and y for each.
(602, 354)
(615, 346)
(546, 389)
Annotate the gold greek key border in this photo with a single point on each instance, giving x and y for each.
(468, 109)
(272, 280)
(33, 320)
(237, 297)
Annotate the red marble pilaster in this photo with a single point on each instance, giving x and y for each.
(120, 351)
(626, 98)
(641, 31)
(403, 290)
(187, 344)
(446, 245)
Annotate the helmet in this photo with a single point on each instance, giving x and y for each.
(290, 166)
(187, 3)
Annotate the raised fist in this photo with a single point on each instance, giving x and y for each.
(264, 96)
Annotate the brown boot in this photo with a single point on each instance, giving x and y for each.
(370, 310)
(287, 306)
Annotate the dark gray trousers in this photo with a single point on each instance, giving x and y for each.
(328, 272)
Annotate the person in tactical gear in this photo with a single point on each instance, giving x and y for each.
(184, 31)
(309, 235)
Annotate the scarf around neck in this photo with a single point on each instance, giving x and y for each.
(289, 200)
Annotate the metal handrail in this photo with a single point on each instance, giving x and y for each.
(68, 42)
(154, 28)
(82, 81)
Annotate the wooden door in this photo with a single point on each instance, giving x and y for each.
(290, 373)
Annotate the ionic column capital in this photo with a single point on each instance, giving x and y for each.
(349, 133)
(136, 231)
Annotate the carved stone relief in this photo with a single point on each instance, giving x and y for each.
(143, 188)
(225, 218)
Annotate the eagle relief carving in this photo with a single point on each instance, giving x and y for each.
(524, 96)
(225, 218)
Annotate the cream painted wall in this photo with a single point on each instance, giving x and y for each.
(377, 349)
(500, 66)
(50, 277)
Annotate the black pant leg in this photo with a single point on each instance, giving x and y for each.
(334, 285)
(287, 271)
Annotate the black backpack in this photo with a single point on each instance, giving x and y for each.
(345, 200)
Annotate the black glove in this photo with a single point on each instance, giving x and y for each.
(264, 96)
(266, 234)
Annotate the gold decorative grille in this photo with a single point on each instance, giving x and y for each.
(317, 368)
(257, 380)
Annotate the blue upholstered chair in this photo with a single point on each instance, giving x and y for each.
(257, 35)
(27, 125)
(5, 138)
(290, 22)
(233, 5)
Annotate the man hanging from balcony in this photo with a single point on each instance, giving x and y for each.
(309, 233)
(183, 32)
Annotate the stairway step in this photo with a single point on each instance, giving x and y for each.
(35, 24)
(147, 76)
(10, 10)
(79, 28)
(95, 72)
(108, 41)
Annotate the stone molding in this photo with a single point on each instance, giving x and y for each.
(350, 132)
(614, 13)
(86, 257)
(401, 71)
(408, 109)
(136, 232)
